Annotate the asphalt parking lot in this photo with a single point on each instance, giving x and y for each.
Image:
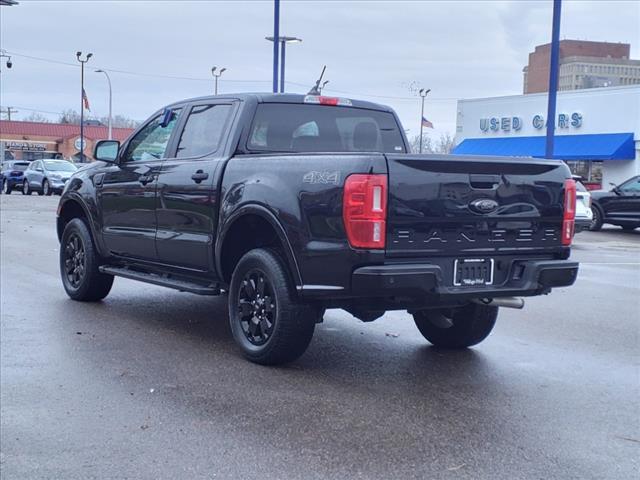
(148, 383)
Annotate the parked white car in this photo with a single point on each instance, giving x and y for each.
(584, 215)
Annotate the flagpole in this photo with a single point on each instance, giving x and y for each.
(423, 94)
(82, 62)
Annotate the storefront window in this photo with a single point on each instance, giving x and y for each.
(589, 170)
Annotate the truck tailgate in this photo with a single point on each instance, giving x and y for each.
(459, 205)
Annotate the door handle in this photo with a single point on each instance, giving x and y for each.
(199, 176)
(144, 179)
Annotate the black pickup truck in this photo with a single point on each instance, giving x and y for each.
(291, 204)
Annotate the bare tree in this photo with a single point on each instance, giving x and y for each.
(445, 143)
(119, 121)
(36, 117)
(427, 146)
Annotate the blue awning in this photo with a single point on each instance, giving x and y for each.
(605, 146)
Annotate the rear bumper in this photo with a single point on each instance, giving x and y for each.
(582, 224)
(419, 280)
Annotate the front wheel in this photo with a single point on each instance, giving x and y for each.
(46, 188)
(6, 189)
(25, 188)
(79, 264)
(456, 327)
(267, 321)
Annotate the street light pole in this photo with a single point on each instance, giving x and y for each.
(110, 102)
(553, 79)
(216, 76)
(423, 94)
(82, 62)
(276, 35)
(283, 41)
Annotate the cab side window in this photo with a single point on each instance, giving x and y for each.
(203, 130)
(151, 142)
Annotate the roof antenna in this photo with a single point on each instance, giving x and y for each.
(316, 88)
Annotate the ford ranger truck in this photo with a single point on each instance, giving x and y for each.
(292, 204)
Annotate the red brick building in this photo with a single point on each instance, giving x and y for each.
(583, 64)
(35, 140)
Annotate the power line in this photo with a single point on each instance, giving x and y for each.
(201, 79)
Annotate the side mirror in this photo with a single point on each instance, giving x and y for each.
(106, 150)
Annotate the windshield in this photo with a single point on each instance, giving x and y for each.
(289, 127)
(21, 166)
(60, 166)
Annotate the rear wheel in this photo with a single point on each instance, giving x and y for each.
(456, 327)
(46, 188)
(596, 221)
(6, 189)
(79, 264)
(25, 188)
(267, 321)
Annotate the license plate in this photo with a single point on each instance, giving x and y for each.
(469, 272)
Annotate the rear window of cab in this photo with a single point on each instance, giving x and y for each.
(299, 128)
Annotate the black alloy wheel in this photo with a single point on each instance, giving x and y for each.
(257, 307)
(268, 321)
(74, 260)
(80, 264)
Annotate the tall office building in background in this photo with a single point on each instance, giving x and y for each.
(583, 64)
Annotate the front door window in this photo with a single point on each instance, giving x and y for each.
(151, 142)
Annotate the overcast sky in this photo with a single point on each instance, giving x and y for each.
(373, 50)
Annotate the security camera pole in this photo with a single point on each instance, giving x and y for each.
(82, 62)
(423, 94)
(3, 54)
(216, 75)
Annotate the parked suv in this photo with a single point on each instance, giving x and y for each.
(11, 175)
(47, 176)
(618, 206)
(290, 204)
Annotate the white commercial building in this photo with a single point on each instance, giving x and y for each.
(597, 130)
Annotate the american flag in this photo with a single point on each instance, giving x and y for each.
(85, 100)
(426, 123)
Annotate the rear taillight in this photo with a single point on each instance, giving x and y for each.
(568, 218)
(364, 210)
(16, 172)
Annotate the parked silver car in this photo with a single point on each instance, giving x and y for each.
(47, 176)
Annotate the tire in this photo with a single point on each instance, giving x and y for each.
(46, 188)
(26, 190)
(6, 189)
(596, 222)
(456, 327)
(276, 329)
(79, 263)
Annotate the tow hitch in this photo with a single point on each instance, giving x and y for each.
(508, 302)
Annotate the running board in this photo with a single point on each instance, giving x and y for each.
(164, 280)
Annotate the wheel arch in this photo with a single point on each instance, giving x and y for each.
(71, 208)
(265, 231)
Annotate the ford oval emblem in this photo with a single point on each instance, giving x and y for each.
(483, 205)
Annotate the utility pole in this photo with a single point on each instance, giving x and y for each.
(82, 62)
(216, 75)
(110, 102)
(423, 94)
(553, 79)
(9, 111)
(276, 35)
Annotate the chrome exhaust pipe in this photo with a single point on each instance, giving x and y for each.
(507, 302)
